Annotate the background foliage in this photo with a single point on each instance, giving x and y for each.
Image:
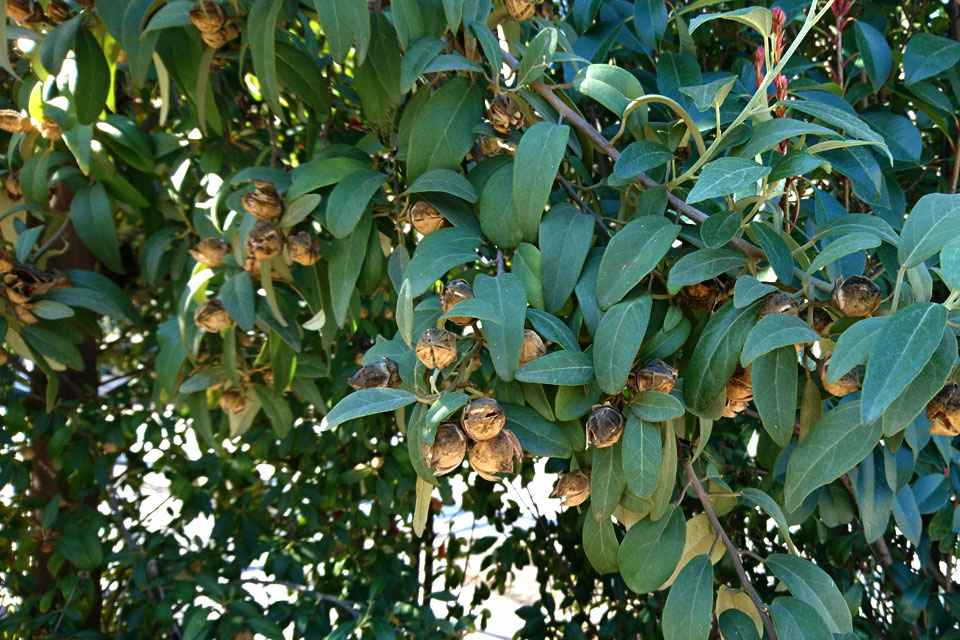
(628, 180)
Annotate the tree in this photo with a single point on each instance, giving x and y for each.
(697, 262)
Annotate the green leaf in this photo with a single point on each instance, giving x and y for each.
(842, 246)
(138, 47)
(50, 310)
(203, 379)
(915, 396)
(173, 14)
(421, 510)
(928, 55)
(57, 44)
(349, 200)
(701, 265)
(874, 497)
(770, 506)
(748, 290)
(377, 80)
(345, 259)
(277, 410)
(93, 78)
(839, 118)
(453, 10)
(650, 21)
(666, 482)
(794, 618)
(565, 236)
(367, 402)
(904, 345)
(552, 328)
(767, 134)
(53, 345)
(617, 341)
(633, 252)
(415, 60)
(537, 57)
(795, 163)
(656, 406)
(651, 550)
(949, 263)
(299, 74)
(343, 22)
(238, 298)
(874, 52)
(526, 265)
(715, 356)
(640, 157)
(444, 407)
(711, 94)
(736, 625)
(564, 368)
(444, 181)
(264, 14)
(504, 341)
(26, 241)
(758, 18)
(538, 157)
(773, 331)
(690, 601)
(475, 308)
(498, 216)
(858, 222)
(95, 292)
(719, 228)
(489, 43)
(641, 454)
(611, 86)
(812, 585)
(92, 218)
(443, 129)
(838, 442)
(607, 480)
(776, 250)
(536, 435)
(416, 430)
(932, 222)
(600, 542)
(299, 209)
(724, 176)
(437, 253)
(33, 178)
(4, 51)
(853, 346)
(774, 377)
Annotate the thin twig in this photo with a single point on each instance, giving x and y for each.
(500, 266)
(583, 205)
(49, 243)
(346, 605)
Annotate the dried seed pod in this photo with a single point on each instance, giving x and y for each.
(3, 356)
(376, 375)
(448, 449)
(453, 293)
(604, 426)
(944, 411)
(265, 241)
(780, 303)
(211, 316)
(58, 11)
(733, 407)
(572, 488)
(49, 129)
(8, 260)
(483, 419)
(25, 281)
(219, 38)
(821, 321)
(13, 121)
(493, 456)
(489, 146)
(208, 16)
(233, 401)
(849, 383)
(739, 385)
(11, 186)
(520, 9)
(437, 348)
(210, 251)
(656, 375)
(303, 248)
(264, 202)
(503, 113)
(267, 376)
(23, 314)
(425, 218)
(856, 296)
(532, 348)
(702, 295)
(24, 11)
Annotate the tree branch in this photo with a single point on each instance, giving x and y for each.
(583, 205)
(346, 605)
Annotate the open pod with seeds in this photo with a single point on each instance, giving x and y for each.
(656, 375)
(210, 252)
(821, 320)
(264, 242)
(376, 374)
(739, 386)
(448, 449)
(24, 11)
(232, 401)
(12, 120)
(702, 295)
(604, 426)
(437, 348)
(264, 202)
(532, 347)
(496, 455)
(303, 248)
(733, 407)
(58, 11)
(856, 296)
(425, 218)
(211, 316)
(503, 113)
(207, 16)
(453, 293)
(849, 383)
(50, 130)
(520, 9)
(483, 419)
(221, 37)
(780, 303)
(572, 488)
(944, 411)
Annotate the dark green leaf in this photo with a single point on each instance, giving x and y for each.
(632, 253)
(617, 341)
(93, 78)
(794, 618)
(565, 368)
(277, 410)
(928, 55)
(600, 543)
(915, 396)
(656, 406)
(504, 341)
(607, 480)
(768, 134)
(92, 218)
(641, 454)
(736, 625)
(415, 60)
(499, 220)
(345, 259)
(264, 14)
(813, 586)
(538, 157)
(701, 265)
(748, 290)
(773, 331)
(537, 436)
(343, 22)
(565, 236)
(445, 181)
(639, 157)
(724, 176)
(932, 222)
(776, 250)
(57, 43)
(443, 129)
(875, 53)
(349, 200)
(719, 228)
(650, 21)
(367, 402)
(651, 550)
(551, 328)
(690, 601)
(238, 298)
(537, 57)
(437, 253)
(774, 377)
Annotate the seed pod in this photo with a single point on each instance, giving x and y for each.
(849, 383)
(110, 448)
(264, 202)
(219, 38)
(211, 316)
(12, 120)
(520, 9)
(265, 241)
(604, 426)
(656, 375)
(503, 113)
(489, 146)
(780, 303)
(17, 290)
(267, 376)
(24, 11)
(944, 411)
(572, 488)
(437, 348)
(8, 260)
(210, 251)
(483, 419)
(425, 218)
(49, 129)
(58, 11)
(821, 321)
(453, 293)
(739, 385)
(376, 375)
(856, 296)
(24, 315)
(733, 407)
(233, 401)
(448, 449)
(490, 457)
(702, 295)
(303, 249)
(3, 356)
(532, 348)
(11, 186)
(207, 17)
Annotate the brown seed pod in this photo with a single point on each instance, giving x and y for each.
(110, 448)
(503, 113)
(24, 315)
(821, 321)
(849, 383)
(58, 11)
(11, 186)
(267, 377)
(489, 146)
(208, 16)
(376, 375)
(856, 296)
(532, 348)
(12, 120)
(265, 241)
(702, 295)
(520, 9)
(944, 411)
(739, 385)
(437, 348)
(219, 38)
(233, 401)
(25, 281)
(4, 356)
(448, 449)
(604, 426)
(303, 248)
(24, 11)
(490, 457)
(8, 260)
(49, 129)
(572, 488)
(656, 375)
(425, 218)
(210, 251)
(780, 303)
(733, 407)
(211, 316)
(483, 419)
(264, 202)
(453, 293)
